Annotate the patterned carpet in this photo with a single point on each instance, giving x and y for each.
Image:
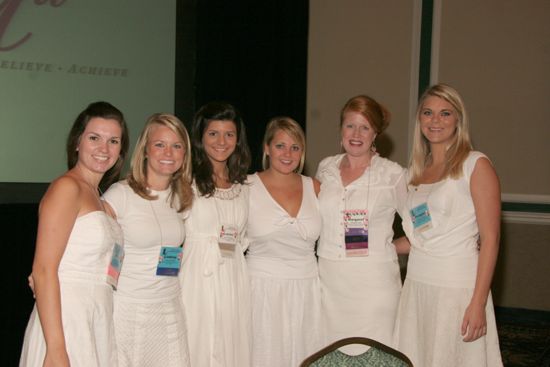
(524, 337)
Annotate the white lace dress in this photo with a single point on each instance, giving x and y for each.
(286, 293)
(216, 288)
(441, 276)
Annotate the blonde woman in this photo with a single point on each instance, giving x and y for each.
(149, 318)
(452, 219)
(283, 224)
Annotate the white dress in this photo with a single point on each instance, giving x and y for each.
(216, 288)
(441, 276)
(148, 312)
(86, 298)
(360, 294)
(286, 294)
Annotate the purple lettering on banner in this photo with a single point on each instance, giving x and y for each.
(7, 9)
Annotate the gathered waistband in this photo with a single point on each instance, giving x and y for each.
(453, 272)
(282, 268)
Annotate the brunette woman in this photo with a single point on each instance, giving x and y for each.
(78, 250)
(214, 277)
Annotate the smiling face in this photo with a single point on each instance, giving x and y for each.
(438, 121)
(219, 140)
(99, 145)
(165, 153)
(284, 152)
(357, 134)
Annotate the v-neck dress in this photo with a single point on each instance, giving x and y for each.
(286, 299)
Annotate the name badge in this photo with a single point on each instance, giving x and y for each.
(421, 218)
(356, 224)
(113, 271)
(227, 240)
(169, 261)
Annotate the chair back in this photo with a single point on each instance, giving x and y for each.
(378, 355)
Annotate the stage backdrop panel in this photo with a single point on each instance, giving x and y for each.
(57, 56)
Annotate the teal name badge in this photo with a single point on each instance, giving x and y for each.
(169, 261)
(421, 218)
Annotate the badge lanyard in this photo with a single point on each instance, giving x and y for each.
(169, 262)
(420, 214)
(356, 226)
(228, 232)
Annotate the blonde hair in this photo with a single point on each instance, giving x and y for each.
(180, 183)
(293, 129)
(457, 151)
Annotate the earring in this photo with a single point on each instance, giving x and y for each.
(373, 147)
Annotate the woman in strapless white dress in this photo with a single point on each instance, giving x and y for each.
(75, 263)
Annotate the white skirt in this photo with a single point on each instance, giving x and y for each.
(151, 334)
(359, 298)
(428, 328)
(286, 320)
(87, 317)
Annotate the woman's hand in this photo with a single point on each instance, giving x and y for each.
(474, 323)
(56, 357)
(31, 284)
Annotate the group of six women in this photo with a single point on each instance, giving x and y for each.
(216, 268)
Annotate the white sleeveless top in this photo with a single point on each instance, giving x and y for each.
(282, 246)
(447, 253)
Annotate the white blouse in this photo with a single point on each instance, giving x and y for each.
(381, 190)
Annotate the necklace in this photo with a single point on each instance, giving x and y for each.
(228, 194)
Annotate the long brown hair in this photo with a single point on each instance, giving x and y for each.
(103, 110)
(237, 163)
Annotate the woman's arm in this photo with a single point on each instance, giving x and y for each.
(402, 245)
(57, 214)
(316, 186)
(485, 190)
